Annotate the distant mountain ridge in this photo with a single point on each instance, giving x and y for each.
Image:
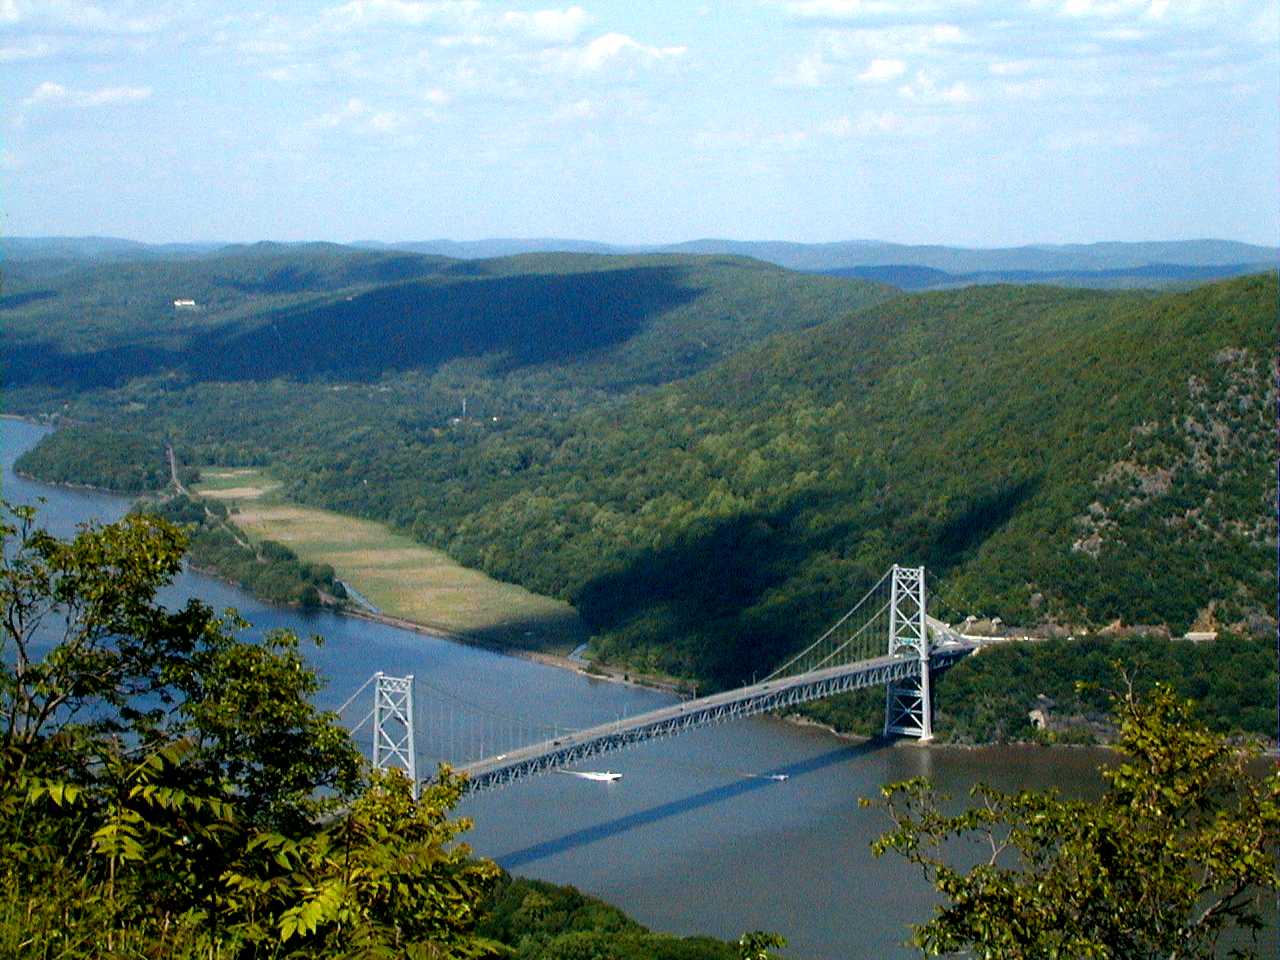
(1035, 257)
(1073, 263)
(915, 278)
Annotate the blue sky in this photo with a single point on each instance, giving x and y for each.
(948, 121)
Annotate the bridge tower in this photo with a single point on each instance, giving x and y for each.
(393, 740)
(908, 703)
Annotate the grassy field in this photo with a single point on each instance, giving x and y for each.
(401, 577)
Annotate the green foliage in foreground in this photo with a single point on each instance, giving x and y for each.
(987, 698)
(541, 921)
(168, 791)
(268, 569)
(1180, 849)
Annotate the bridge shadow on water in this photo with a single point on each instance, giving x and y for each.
(675, 808)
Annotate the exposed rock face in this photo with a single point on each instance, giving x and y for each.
(1205, 474)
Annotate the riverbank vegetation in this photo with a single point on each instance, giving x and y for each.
(712, 475)
(991, 697)
(267, 569)
(126, 462)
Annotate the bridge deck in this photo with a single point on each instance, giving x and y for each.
(764, 697)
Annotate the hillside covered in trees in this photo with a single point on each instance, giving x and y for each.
(711, 457)
(324, 311)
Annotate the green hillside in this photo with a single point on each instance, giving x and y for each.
(1053, 456)
(1049, 454)
(321, 310)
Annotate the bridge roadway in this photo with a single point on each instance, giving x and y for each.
(765, 697)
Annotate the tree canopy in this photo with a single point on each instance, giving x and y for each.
(1180, 849)
(168, 789)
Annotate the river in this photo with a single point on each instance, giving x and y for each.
(692, 839)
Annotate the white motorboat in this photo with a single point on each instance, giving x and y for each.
(602, 776)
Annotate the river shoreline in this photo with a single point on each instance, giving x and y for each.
(79, 486)
(602, 672)
(594, 671)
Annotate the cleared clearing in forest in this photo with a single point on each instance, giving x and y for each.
(402, 578)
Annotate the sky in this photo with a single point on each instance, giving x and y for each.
(968, 122)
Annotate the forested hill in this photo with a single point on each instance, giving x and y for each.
(94, 307)
(1052, 455)
(1049, 454)
(344, 314)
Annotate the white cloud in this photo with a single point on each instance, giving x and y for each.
(1265, 28)
(870, 55)
(549, 26)
(465, 40)
(924, 37)
(856, 9)
(360, 117)
(867, 123)
(893, 42)
(1034, 89)
(1106, 9)
(55, 93)
(9, 11)
(118, 17)
(576, 112)
(46, 92)
(355, 107)
(608, 50)
(413, 13)
(810, 71)
(32, 49)
(1183, 11)
(107, 96)
(1121, 34)
(882, 70)
(1124, 135)
(1011, 68)
(260, 46)
(925, 88)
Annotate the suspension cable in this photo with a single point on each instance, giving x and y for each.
(346, 703)
(832, 629)
(870, 620)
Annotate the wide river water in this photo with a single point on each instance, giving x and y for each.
(692, 839)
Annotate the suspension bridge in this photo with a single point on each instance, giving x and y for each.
(888, 638)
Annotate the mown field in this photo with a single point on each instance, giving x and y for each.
(401, 577)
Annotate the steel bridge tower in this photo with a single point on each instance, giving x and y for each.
(908, 702)
(393, 740)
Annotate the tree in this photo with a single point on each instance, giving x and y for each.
(756, 944)
(1180, 848)
(168, 789)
